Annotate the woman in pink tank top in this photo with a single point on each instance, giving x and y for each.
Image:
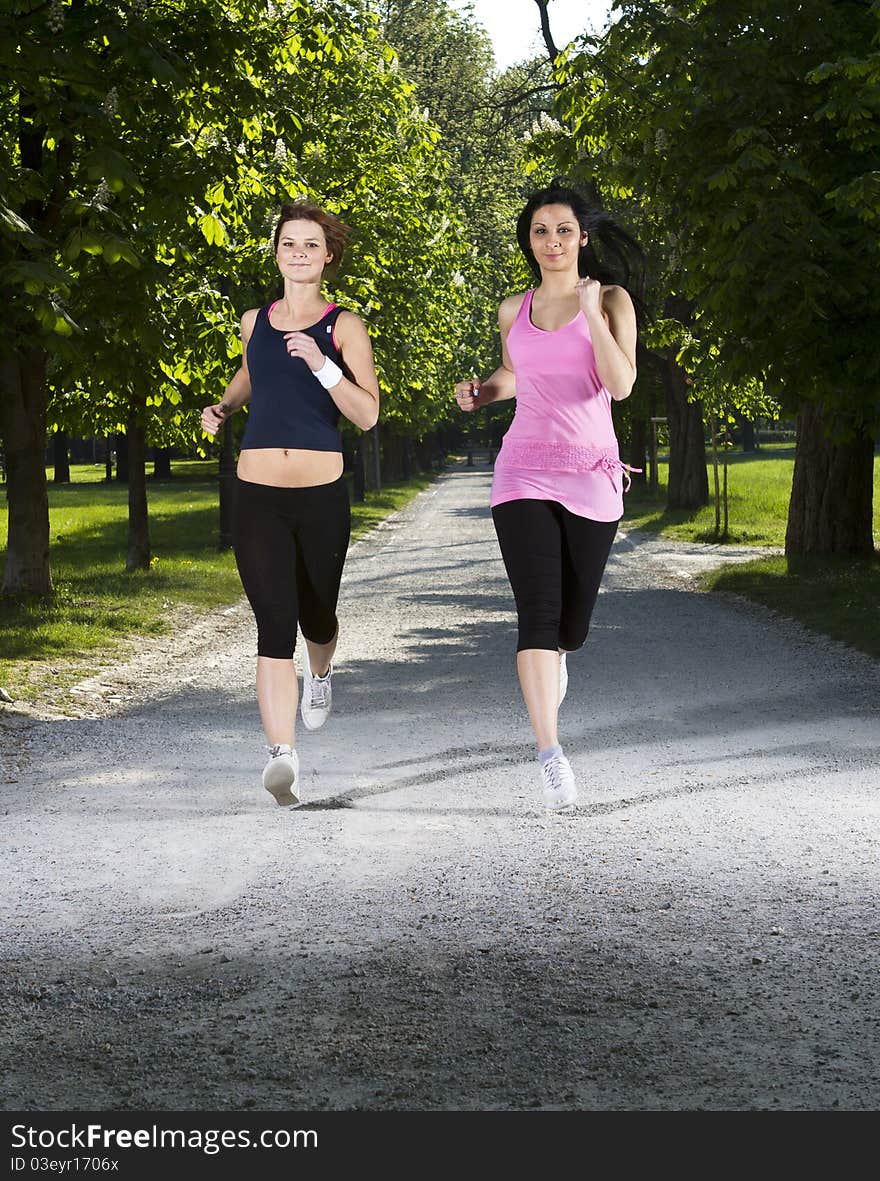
(568, 352)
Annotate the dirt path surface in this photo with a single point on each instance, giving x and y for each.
(702, 933)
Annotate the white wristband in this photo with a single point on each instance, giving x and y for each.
(329, 374)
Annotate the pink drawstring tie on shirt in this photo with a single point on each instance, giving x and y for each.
(611, 465)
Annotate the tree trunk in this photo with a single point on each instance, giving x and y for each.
(688, 486)
(138, 516)
(637, 456)
(61, 457)
(161, 463)
(688, 479)
(377, 458)
(713, 429)
(650, 367)
(23, 425)
(748, 438)
(121, 457)
(227, 484)
(358, 472)
(108, 460)
(397, 458)
(374, 463)
(832, 491)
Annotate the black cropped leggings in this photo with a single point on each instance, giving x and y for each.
(555, 561)
(290, 546)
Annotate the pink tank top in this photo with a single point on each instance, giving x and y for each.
(561, 444)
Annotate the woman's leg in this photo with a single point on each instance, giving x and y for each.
(586, 545)
(277, 697)
(530, 536)
(265, 553)
(323, 531)
(538, 672)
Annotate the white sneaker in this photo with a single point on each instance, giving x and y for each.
(317, 697)
(280, 775)
(563, 677)
(558, 780)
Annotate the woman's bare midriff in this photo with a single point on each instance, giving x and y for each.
(289, 467)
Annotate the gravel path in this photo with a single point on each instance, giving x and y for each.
(702, 933)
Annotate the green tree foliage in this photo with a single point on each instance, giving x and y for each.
(484, 118)
(752, 127)
(149, 146)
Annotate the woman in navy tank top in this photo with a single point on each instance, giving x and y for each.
(568, 351)
(304, 363)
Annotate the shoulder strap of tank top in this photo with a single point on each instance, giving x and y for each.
(525, 307)
(330, 319)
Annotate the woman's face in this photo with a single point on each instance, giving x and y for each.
(302, 251)
(555, 237)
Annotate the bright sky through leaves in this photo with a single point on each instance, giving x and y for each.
(515, 29)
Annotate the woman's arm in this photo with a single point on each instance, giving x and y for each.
(612, 321)
(358, 400)
(239, 389)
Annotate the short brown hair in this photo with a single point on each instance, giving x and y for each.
(335, 231)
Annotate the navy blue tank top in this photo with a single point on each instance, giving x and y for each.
(288, 405)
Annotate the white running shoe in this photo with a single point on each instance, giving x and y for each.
(563, 677)
(317, 697)
(280, 775)
(560, 792)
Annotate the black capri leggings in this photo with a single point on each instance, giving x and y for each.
(290, 546)
(555, 561)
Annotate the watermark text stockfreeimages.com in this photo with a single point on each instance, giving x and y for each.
(208, 1140)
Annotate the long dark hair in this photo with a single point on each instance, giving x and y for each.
(611, 255)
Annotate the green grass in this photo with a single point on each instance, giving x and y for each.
(835, 597)
(97, 606)
(759, 486)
